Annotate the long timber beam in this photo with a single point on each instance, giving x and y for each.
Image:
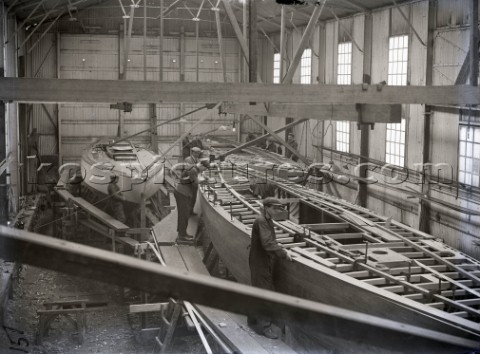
(350, 112)
(93, 263)
(106, 91)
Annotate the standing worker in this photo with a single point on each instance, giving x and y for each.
(116, 199)
(264, 252)
(193, 159)
(188, 177)
(291, 141)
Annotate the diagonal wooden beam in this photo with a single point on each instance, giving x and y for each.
(25, 21)
(35, 29)
(304, 42)
(169, 9)
(105, 91)
(280, 140)
(45, 32)
(257, 140)
(346, 31)
(409, 23)
(465, 69)
(236, 28)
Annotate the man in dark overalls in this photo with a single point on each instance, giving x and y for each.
(264, 251)
(194, 159)
(186, 184)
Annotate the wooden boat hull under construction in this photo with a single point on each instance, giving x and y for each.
(139, 175)
(395, 280)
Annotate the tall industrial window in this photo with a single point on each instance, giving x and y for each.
(344, 77)
(397, 76)
(469, 156)
(343, 136)
(276, 68)
(344, 67)
(398, 60)
(396, 143)
(306, 67)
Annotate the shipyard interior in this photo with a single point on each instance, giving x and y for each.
(239, 176)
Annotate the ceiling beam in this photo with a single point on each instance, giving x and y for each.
(369, 113)
(106, 91)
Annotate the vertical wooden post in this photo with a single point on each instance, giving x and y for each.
(252, 45)
(12, 115)
(160, 44)
(245, 36)
(121, 50)
(282, 42)
(364, 128)
(181, 126)
(197, 56)
(3, 136)
(322, 55)
(424, 206)
(182, 53)
(59, 121)
(153, 124)
(474, 42)
(220, 43)
(145, 40)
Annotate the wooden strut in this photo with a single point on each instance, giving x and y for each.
(70, 258)
(280, 140)
(158, 125)
(255, 141)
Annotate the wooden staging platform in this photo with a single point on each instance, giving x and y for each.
(232, 328)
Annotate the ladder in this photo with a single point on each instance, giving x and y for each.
(169, 317)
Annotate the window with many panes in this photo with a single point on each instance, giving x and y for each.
(395, 153)
(343, 136)
(469, 155)
(398, 60)
(344, 77)
(344, 66)
(306, 67)
(397, 76)
(276, 68)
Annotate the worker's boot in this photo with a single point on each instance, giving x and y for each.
(185, 238)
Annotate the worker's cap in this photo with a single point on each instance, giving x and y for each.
(195, 149)
(270, 201)
(112, 176)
